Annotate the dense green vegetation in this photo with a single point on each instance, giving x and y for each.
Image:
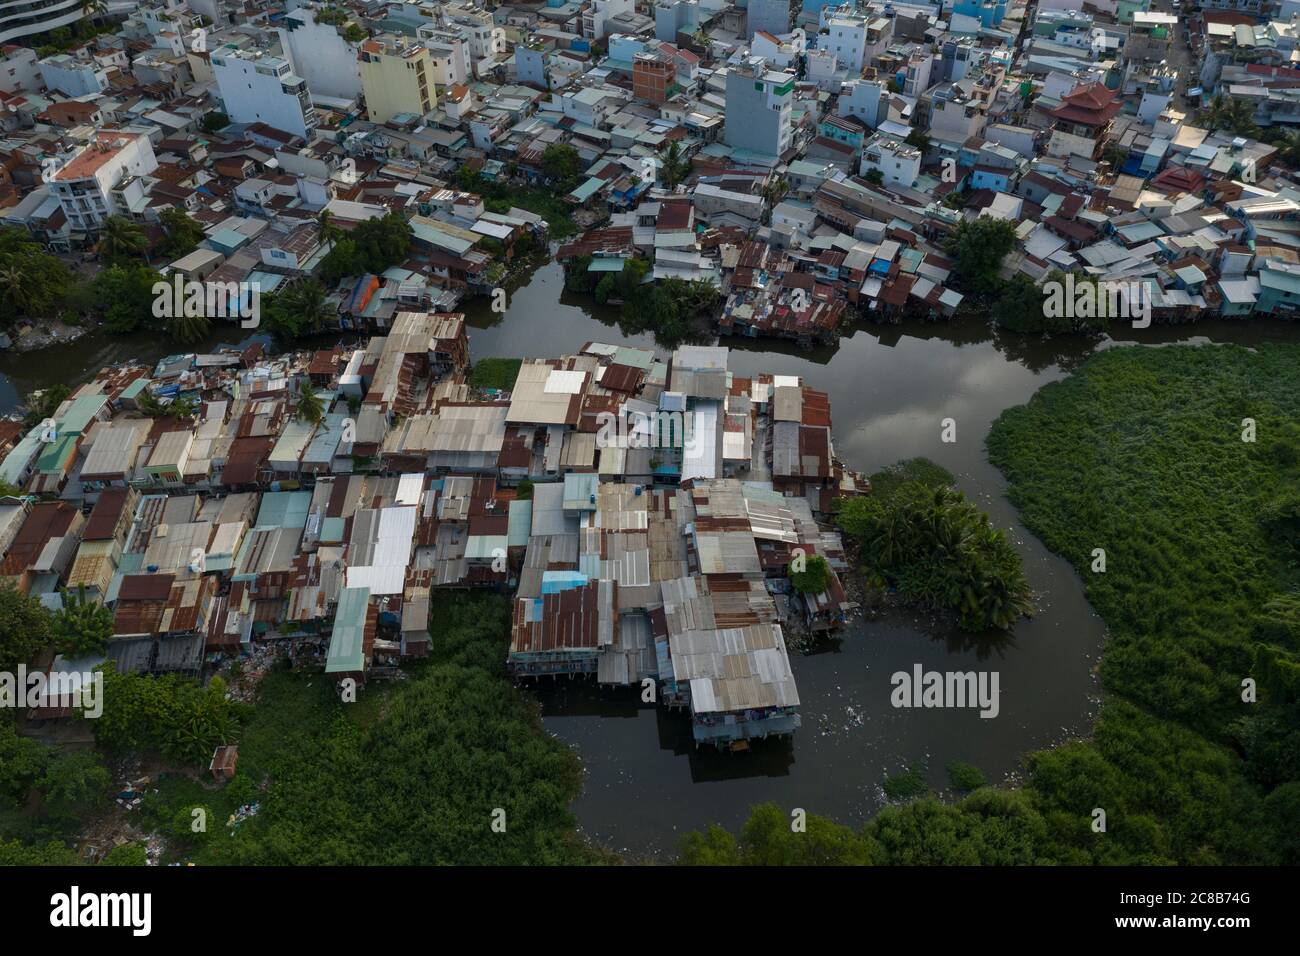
(81, 626)
(1139, 453)
(499, 373)
(300, 310)
(409, 774)
(964, 777)
(937, 548)
(501, 197)
(814, 578)
(1021, 306)
(906, 785)
(25, 627)
(172, 715)
(183, 233)
(673, 310)
(371, 247)
(123, 295)
(45, 794)
(32, 282)
(978, 247)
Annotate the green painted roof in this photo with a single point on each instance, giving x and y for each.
(284, 509)
(81, 413)
(56, 454)
(135, 388)
(521, 521)
(347, 653)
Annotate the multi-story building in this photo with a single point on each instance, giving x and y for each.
(897, 162)
(319, 54)
(598, 12)
(769, 16)
(475, 26)
(449, 59)
(396, 78)
(256, 88)
(73, 77)
(654, 77)
(105, 178)
(758, 108)
(19, 20)
(863, 99)
(531, 59)
(1083, 121)
(675, 16)
(19, 69)
(846, 37)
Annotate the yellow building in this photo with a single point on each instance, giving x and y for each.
(396, 77)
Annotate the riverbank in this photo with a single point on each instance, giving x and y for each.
(1140, 453)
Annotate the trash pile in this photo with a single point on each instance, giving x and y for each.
(253, 666)
(132, 793)
(242, 814)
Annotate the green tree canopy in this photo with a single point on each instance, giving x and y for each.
(979, 246)
(82, 626)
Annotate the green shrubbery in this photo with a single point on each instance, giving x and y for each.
(917, 534)
(1141, 453)
(174, 716)
(499, 373)
(409, 774)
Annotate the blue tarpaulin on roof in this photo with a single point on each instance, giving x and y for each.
(553, 582)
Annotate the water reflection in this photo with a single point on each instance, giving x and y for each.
(890, 386)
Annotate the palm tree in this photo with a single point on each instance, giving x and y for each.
(188, 329)
(1288, 148)
(310, 406)
(305, 303)
(1226, 113)
(326, 230)
(93, 8)
(122, 239)
(676, 167)
(774, 190)
(15, 286)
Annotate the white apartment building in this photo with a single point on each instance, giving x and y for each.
(758, 108)
(19, 20)
(898, 163)
(474, 26)
(847, 38)
(256, 88)
(864, 99)
(105, 178)
(20, 70)
(598, 12)
(449, 57)
(320, 55)
(73, 77)
(781, 51)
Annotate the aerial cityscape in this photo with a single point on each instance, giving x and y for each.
(627, 432)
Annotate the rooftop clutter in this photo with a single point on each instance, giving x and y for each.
(644, 512)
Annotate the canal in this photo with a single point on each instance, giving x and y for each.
(890, 388)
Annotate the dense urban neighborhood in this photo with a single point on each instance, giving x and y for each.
(316, 508)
